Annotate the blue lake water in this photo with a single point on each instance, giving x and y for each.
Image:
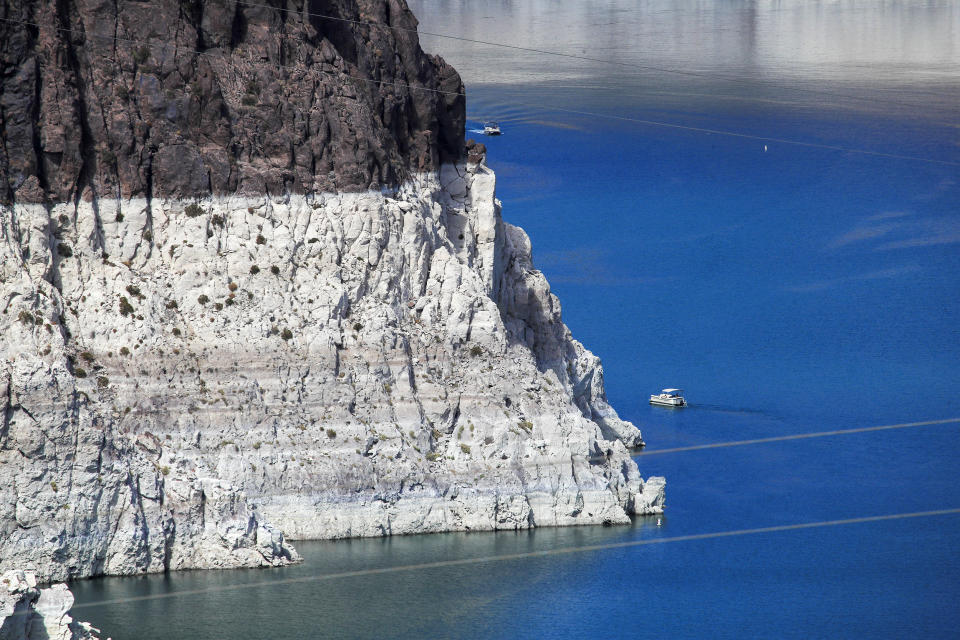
(788, 289)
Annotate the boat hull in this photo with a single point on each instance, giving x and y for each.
(669, 402)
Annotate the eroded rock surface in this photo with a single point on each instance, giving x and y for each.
(204, 348)
(183, 98)
(31, 613)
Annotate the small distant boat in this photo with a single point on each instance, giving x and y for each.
(491, 129)
(669, 398)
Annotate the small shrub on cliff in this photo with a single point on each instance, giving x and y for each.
(232, 286)
(80, 372)
(218, 306)
(124, 351)
(275, 270)
(432, 456)
(165, 470)
(86, 355)
(125, 307)
(64, 250)
(26, 318)
(134, 290)
(465, 448)
(331, 433)
(103, 382)
(53, 485)
(119, 217)
(488, 440)
(286, 334)
(357, 326)
(193, 210)
(254, 269)
(526, 425)
(476, 350)
(141, 55)
(176, 331)
(203, 299)
(261, 239)
(171, 304)
(217, 220)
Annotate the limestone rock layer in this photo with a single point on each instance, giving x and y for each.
(251, 291)
(31, 613)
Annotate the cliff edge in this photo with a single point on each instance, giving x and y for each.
(196, 368)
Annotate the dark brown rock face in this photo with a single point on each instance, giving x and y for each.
(184, 98)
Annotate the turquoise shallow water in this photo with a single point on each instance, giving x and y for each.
(789, 290)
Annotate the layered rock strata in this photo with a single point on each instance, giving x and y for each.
(193, 367)
(344, 364)
(30, 613)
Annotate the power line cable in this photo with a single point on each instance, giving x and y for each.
(424, 566)
(573, 56)
(543, 107)
(799, 436)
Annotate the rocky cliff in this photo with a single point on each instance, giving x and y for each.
(29, 613)
(191, 364)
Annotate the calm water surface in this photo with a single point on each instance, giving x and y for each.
(788, 289)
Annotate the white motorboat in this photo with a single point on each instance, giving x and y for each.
(491, 129)
(669, 398)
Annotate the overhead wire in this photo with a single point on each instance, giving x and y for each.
(607, 61)
(541, 106)
(461, 562)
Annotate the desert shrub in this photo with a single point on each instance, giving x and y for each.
(26, 318)
(432, 456)
(134, 290)
(193, 210)
(176, 331)
(171, 304)
(312, 240)
(331, 433)
(286, 334)
(141, 55)
(476, 350)
(53, 485)
(436, 434)
(80, 372)
(357, 326)
(103, 382)
(465, 448)
(218, 306)
(229, 302)
(203, 299)
(261, 239)
(217, 220)
(86, 355)
(125, 307)
(165, 470)
(254, 269)
(275, 270)
(526, 425)
(124, 351)
(64, 250)
(488, 440)
(232, 286)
